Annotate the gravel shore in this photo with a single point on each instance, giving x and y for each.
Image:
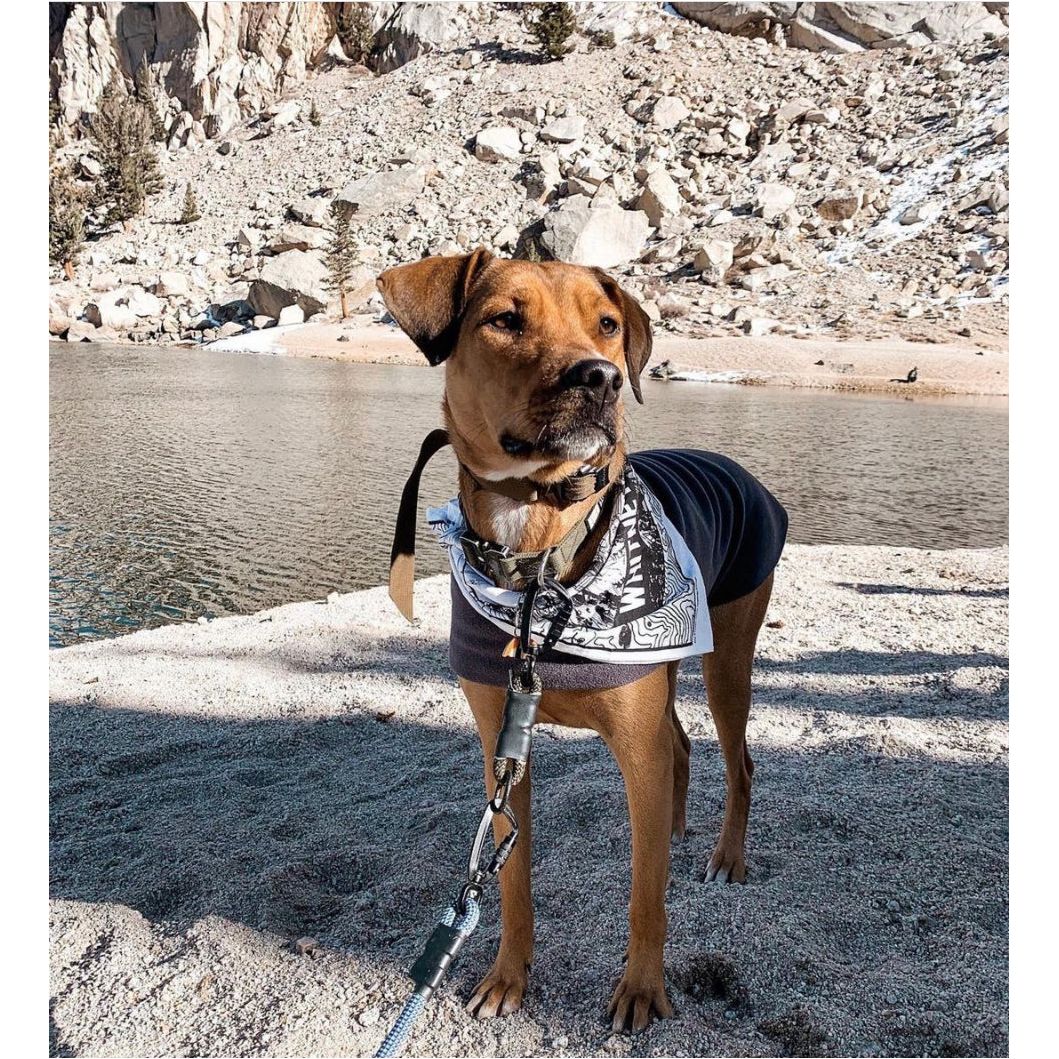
(945, 369)
(220, 790)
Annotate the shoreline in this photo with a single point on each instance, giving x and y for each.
(870, 366)
(221, 790)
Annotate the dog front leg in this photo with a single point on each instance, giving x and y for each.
(642, 743)
(502, 989)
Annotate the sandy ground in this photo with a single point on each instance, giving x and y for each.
(221, 789)
(772, 360)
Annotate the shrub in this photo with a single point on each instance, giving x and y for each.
(551, 25)
(190, 213)
(122, 131)
(145, 96)
(340, 254)
(356, 31)
(66, 217)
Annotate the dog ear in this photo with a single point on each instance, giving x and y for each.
(638, 339)
(427, 298)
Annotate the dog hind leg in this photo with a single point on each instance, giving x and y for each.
(727, 674)
(681, 758)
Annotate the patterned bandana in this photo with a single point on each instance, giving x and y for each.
(641, 601)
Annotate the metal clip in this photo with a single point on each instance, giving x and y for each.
(496, 806)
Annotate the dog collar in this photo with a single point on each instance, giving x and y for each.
(561, 494)
(571, 490)
(515, 570)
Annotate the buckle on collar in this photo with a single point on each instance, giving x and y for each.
(501, 565)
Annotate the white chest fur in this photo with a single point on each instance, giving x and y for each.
(509, 518)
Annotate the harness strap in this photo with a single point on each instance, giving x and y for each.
(500, 564)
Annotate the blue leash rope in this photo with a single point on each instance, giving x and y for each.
(460, 925)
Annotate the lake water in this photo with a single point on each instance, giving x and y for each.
(186, 483)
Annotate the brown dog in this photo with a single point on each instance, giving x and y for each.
(534, 361)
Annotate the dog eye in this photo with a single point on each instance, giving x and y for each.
(608, 325)
(506, 322)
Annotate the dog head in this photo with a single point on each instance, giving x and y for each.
(535, 356)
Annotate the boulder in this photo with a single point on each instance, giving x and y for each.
(111, 310)
(825, 116)
(297, 237)
(564, 130)
(314, 211)
(291, 314)
(82, 331)
(714, 259)
(730, 17)
(604, 237)
(383, 193)
(61, 313)
(961, 23)
(90, 168)
(793, 110)
(847, 27)
(948, 23)
(762, 277)
(172, 284)
(759, 326)
(248, 240)
(499, 143)
(286, 113)
(297, 277)
(669, 112)
(840, 204)
(919, 212)
(660, 197)
(413, 30)
(773, 200)
(803, 34)
(144, 304)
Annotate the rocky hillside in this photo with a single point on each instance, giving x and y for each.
(830, 168)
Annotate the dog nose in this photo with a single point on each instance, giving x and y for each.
(598, 376)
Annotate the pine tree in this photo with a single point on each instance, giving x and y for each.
(190, 213)
(121, 129)
(145, 95)
(340, 253)
(356, 31)
(552, 25)
(66, 215)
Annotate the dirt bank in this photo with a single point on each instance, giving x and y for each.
(219, 790)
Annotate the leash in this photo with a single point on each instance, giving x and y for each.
(510, 761)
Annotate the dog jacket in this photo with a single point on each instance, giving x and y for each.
(689, 530)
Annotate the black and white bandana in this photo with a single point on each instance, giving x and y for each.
(641, 601)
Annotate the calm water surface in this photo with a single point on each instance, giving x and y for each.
(186, 483)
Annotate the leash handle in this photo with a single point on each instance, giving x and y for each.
(403, 552)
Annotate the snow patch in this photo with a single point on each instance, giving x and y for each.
(267, 340)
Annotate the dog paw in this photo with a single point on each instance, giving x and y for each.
(726, 865)
(500, 992)
(637, 1001)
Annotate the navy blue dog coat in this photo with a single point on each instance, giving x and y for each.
(732, 526)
